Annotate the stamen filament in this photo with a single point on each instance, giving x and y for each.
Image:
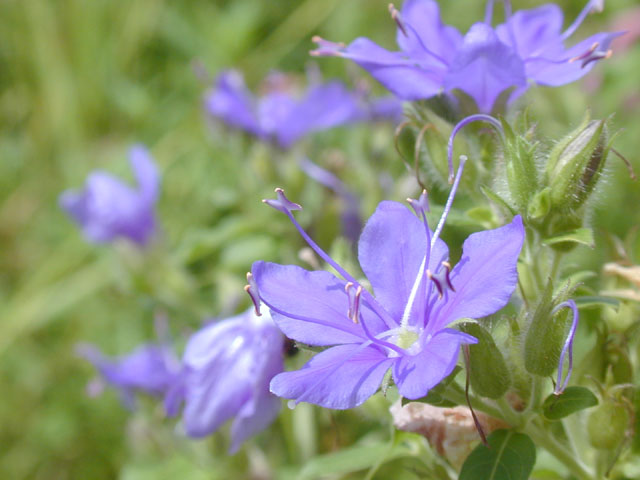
(283, 204)
(254, 294)
(403, 26)
(568, 346)
(488, 12)
(436, 282)
(579, 19)
(478, 117)
(447, 207)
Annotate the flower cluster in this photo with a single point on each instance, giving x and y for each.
(483, 63)
(397, 317)
(224, 373)
(285, 117)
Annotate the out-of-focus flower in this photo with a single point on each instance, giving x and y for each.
(351, 220)
(285, 117)
(435, 58)
(402, 327)
(227, 367)
(150, 368)
(107, 208)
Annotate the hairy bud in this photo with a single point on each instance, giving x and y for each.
(575, 164)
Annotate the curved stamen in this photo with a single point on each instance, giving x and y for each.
(252, 289)
(326, 47)
(447, 207)
(284, 205)
(507, 9)
(354, 301)
(436, 283)
(488, 12)
(478, 117)
(404, 27)
(568, 346)
(592, 55)
(591, 5)
(377, 341)
(442, 280)
(356, 317)
(419, 206)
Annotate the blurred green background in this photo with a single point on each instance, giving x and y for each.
(80, 81)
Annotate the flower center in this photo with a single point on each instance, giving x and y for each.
(406, 338)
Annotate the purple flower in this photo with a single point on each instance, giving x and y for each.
(107, 208)
(435, 58)
(282, 116)
(403, 324)
(150, 368)
(227, 367)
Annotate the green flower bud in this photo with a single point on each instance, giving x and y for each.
(607, 425)
(545, 336)
(540, 204)
(488, 372)
(522, 174)
(575, 164)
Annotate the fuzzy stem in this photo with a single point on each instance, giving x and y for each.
(543, 439)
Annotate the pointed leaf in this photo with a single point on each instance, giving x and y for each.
(572, 400)
(596, 301)
(583, 236)
(511, 456)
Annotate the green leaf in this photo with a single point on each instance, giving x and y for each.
(352, 460)
(572, 400)
(583, 236)
(510, 456)
(597, 301)
(483, 215)
(497, 200)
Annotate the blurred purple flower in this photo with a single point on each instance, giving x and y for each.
(107, 208)
(350, 217)
(284, 117)
(402, 327)
(227, 367)
(436, 58)
(150, 368)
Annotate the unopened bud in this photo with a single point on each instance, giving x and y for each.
(488, 372)
(545, 337)
(522, 174)
(540, 204)
(575, 164)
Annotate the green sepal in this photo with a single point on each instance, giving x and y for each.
(582, 236)
(488, 372)
(522, 174)
(545, 335)
(574, 165)
(540, 204)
